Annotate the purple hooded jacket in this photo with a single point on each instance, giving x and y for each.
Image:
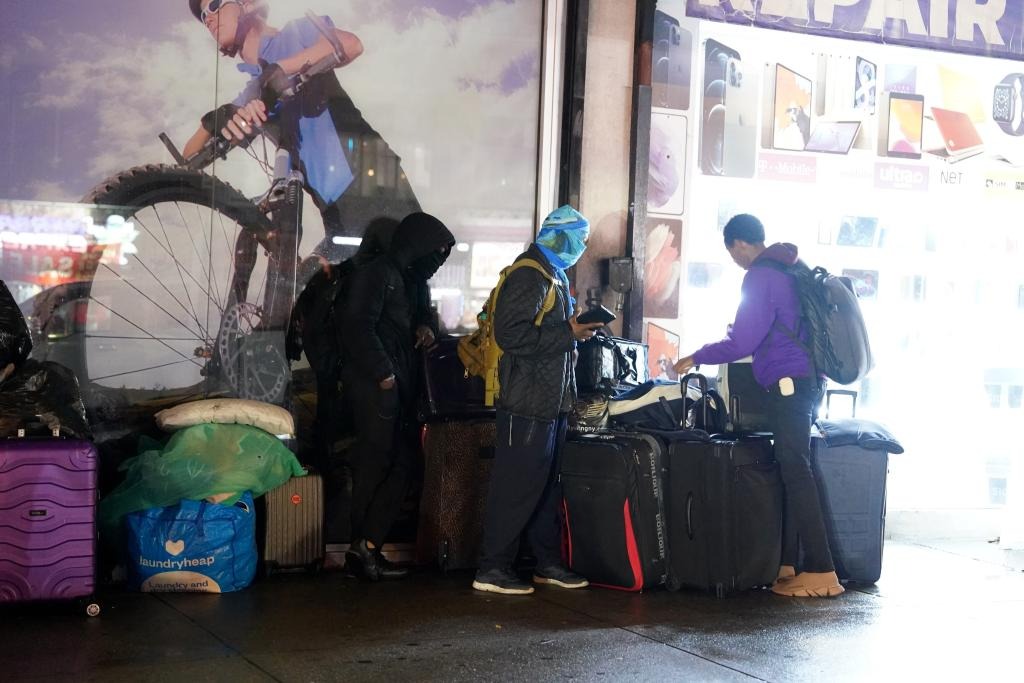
(767, 294)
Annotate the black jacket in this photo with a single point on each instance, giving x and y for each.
(536, 371)
(386, 302)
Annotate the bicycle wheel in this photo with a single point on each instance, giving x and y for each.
(181, 310)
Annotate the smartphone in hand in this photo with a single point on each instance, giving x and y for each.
(600, 314)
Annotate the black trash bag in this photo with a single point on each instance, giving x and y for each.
(43, 392)
(15, 340)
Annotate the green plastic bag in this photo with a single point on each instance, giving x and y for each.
(197, 462)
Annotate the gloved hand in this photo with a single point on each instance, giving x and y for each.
(274, 83)
(214, 121)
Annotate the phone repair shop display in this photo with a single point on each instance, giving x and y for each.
(896, 167)
(192, 547)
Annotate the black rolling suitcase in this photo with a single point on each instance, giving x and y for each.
(851, 482)
(612, 487)
(747, 400)
(724, 512)
(457, 460)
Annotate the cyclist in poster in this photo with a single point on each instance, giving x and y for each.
(451, 86)
(333, 143)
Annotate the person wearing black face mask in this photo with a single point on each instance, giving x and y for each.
(387, 317)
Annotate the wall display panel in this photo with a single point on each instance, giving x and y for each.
(662, 267)
(662, 352)
(924, 241)
(430, 108)
(666, 182)
(791, 108)
(901, 126)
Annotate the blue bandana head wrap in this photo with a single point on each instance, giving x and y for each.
(563, 236)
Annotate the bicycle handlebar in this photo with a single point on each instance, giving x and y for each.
(217, 147)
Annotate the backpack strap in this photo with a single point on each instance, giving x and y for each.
(794, 335)
(549, 298)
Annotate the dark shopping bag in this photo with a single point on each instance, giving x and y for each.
(605, 362)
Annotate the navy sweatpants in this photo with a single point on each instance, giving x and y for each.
(524, 495)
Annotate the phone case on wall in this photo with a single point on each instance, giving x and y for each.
(739, 154)
(712, 130)
(671, 60)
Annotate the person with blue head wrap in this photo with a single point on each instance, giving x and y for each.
(537, 389)
(563, 239)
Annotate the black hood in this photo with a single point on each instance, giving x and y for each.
(376, 239)
(416, 236)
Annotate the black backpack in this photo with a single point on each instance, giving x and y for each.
(314, 321)
(838, 345)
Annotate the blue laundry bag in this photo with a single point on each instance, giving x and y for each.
(192, 547)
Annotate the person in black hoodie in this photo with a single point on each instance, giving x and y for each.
(386, 318)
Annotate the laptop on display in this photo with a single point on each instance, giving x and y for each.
(959, 136)
(833, 137)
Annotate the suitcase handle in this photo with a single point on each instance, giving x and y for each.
(689, 515)
(702, 385)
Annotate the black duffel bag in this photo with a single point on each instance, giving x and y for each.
(607, 362)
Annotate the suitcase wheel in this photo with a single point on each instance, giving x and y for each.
(91, 607)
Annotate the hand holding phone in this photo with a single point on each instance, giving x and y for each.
(600, 314)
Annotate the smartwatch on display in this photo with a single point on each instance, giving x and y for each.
(1002, 103)
(1008, 104)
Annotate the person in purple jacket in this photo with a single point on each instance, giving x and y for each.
(769, 308)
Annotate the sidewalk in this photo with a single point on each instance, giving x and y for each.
(937, 614)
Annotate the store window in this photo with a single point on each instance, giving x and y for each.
(888, 165)
(157, 283)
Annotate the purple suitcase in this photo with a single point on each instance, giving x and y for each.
(48, 520)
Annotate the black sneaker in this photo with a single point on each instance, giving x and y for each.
(360, 561)
(502, 581)
(559, 576)
(388, 569)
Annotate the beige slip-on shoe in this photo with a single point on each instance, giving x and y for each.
(786, 572)
(810, 585)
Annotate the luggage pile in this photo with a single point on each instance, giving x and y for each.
(184, 518)
(665, 495)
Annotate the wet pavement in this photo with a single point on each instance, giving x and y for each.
(940, 612)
